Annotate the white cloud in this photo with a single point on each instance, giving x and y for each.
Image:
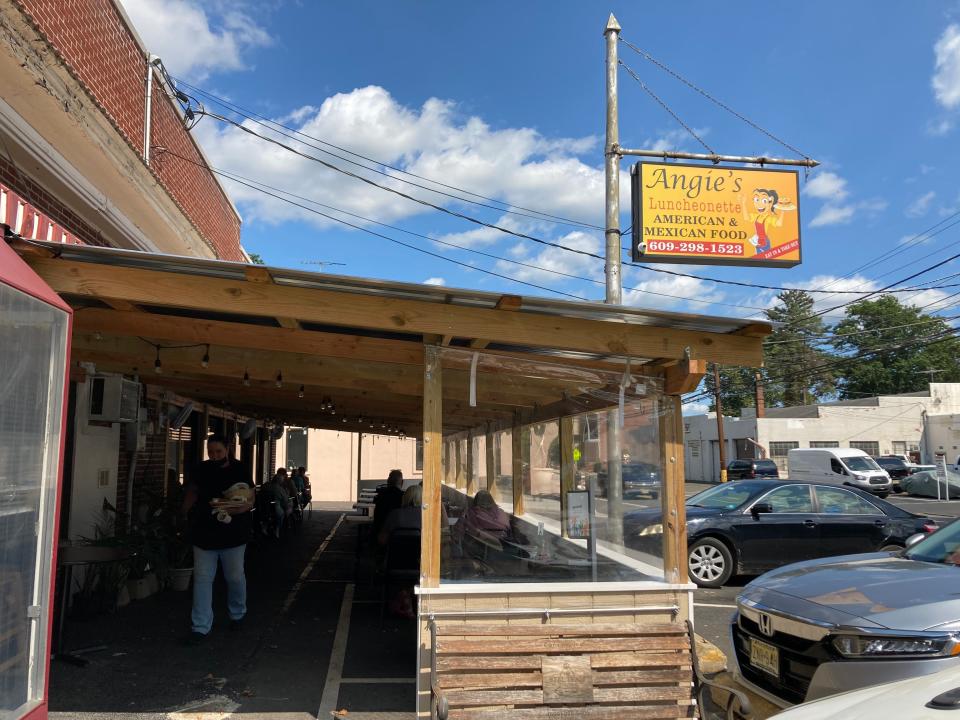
(696, 408)
(826, 186)
(193, 40)
(517, 166)
(657, 290)
(946, 75)
(435, 281)
(921, 206)
(678, 139)
(831, 214)
(558, 260)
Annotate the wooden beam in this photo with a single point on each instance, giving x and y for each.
(446, 340)
(459, 481)
(124, 306)
(568, 469)
(288, 323)
(509, 303)
(516, 458)
(490, 462)
(758, 330)
(432, 468)
(478, 344)
(683, 377)
(471, 467)
(393, 314)
(672, 496)
(257, 275)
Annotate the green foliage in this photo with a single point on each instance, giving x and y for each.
(256, 259)
(903, 343)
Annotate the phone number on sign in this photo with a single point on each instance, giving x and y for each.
(700, 248)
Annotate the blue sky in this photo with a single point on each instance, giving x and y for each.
(505, 99)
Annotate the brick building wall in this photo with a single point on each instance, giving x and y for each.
(94, 42)
(30, 211)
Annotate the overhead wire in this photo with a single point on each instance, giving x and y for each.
(272, 125)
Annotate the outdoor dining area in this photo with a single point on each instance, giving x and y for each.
(529, 410)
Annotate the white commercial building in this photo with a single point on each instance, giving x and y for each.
(922, 423)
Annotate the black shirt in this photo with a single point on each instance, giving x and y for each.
(386, 500)
(210, 481)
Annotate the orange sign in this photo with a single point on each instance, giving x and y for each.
(711, 215)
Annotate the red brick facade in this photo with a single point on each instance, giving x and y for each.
(92, 39)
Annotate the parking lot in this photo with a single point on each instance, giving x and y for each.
(714, 607)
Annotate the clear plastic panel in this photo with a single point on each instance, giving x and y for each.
(579, 446)
(32, 367)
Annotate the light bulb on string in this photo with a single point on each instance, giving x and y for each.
(246, 379)
(279, 381)
(157, 365)
(205, 360)
(300, 392)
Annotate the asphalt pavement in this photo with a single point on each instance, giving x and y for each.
(713, 608)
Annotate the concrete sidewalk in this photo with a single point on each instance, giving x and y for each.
(311, 643)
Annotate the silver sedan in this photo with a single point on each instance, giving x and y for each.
(826, 626)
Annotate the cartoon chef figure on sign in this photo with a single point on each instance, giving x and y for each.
(769, 208)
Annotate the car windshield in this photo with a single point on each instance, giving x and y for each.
(942, 547)
(722, 497)
(858, 463)
(766, 465)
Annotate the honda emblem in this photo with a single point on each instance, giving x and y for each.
(765, 623)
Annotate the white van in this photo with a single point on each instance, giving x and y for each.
(839, 466)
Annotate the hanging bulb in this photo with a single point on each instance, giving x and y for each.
(279, 381)
(344, 419)
(333, 410)
(246, 379)
(157, 366)
(205, 360)
(97, 336)
(383, 426)
(300, 393)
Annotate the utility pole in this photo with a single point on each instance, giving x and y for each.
(758, 383)
(612, 273)
(721, 442)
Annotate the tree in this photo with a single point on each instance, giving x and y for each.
(794, 354)
(737, 389)
(889, 347)
(256, 259)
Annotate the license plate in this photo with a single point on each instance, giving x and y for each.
(764, 656)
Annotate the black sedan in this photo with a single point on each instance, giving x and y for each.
(751, 469)
(751, 526)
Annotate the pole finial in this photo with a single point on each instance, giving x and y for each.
(612, 25)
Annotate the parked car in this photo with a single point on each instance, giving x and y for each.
(923, 698)
(898, 468)
(839, 466)
(826, 626)
(751, 526)
(639, 478)
(751, 469)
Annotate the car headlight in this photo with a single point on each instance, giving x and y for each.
(651, 530)
(878, 646)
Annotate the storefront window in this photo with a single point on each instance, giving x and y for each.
(33, 357)
(579, 447)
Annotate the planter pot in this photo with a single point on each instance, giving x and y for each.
(142, 588)
(180, 578)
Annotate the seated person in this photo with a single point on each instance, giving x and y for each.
(273, 492)
(483, 519)
(407, 516)
(388, 499)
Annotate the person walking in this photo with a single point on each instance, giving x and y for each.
(218, 503)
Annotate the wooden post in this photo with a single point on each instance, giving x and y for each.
(471, 478)
(568, 468)
(460, 480)
(517, 462)
(432, 439)
(447, 469)
(491, 469)
(672, 495)
(204, 430)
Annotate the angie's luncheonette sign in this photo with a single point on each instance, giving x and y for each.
(714, 215)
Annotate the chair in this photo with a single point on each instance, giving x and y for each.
(401, 565)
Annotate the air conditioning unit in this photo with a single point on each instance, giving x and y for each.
(114, 399)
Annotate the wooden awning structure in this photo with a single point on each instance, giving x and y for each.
(358, 342)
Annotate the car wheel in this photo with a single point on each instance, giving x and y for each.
(710, 563)
(892, 547)
(883, 495)
(654, 495)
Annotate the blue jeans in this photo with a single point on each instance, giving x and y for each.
(204, 571)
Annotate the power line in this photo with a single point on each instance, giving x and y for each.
(272, 125)
(249, 182)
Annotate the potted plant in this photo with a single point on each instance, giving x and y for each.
(180, 563)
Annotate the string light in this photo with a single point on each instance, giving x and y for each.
(300, 393)
(279, 381)
(157, 366)
(246, 379)
(205, 360)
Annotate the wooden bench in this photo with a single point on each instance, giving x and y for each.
(612, 671)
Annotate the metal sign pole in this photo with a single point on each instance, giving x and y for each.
(614, 293)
